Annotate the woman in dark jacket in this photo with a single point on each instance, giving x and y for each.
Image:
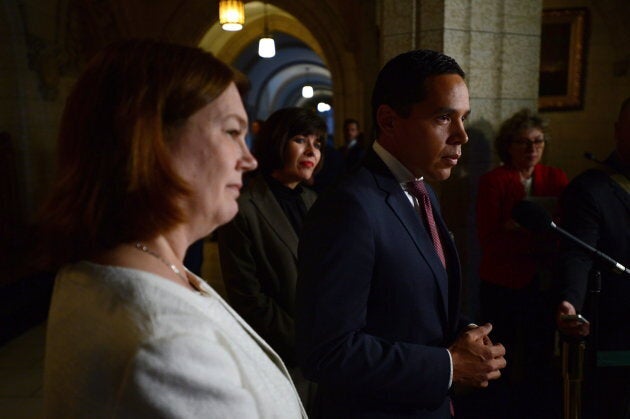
(258, 249)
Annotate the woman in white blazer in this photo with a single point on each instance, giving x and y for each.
(151, 157)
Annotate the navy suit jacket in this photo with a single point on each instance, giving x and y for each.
(375, 307)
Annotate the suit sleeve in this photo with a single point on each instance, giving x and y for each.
(581, 217)
(337, 254)
(246, 295)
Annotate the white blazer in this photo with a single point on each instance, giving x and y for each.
(127, 343)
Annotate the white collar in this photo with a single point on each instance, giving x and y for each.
(400, 172)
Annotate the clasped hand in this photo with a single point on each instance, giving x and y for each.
(476, 360)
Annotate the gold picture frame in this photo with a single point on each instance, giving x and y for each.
(562, 59)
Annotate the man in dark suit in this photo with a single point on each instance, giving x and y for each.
(596, 209)
(353, 149)
(378, 324)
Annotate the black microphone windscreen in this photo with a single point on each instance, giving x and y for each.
(531, 216)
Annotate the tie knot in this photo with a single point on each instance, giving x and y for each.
(417, 189)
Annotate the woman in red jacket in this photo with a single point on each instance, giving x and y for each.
(515, 263)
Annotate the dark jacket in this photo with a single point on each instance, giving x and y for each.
(258, 254)
(597, 211)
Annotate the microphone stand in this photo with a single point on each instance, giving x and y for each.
(536, 218)
(578, 361)
(572, 377)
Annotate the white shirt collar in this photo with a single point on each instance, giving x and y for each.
(400, 172)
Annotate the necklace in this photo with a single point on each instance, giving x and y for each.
(143, 248)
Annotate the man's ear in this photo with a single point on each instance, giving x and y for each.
(385, 118)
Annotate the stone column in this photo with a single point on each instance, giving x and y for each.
(497, 43)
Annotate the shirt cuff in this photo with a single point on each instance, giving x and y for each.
(450, 378)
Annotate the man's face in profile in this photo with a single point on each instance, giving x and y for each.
(428, 141)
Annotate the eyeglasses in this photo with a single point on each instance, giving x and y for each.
(537, 143)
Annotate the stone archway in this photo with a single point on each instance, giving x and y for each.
(351, 53)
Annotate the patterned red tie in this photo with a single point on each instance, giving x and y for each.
(417, 189)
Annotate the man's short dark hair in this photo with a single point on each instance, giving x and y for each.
(402, 81)
(349, 121)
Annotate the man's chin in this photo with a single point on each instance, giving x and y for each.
(438, 175)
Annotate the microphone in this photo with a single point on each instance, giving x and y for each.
(535, 218)
(532, 216)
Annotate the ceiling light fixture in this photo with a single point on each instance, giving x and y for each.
(266, 45)
(323, 107)
(231, 15)
(307, 90)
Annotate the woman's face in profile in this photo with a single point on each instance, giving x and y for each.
(301, 156)
(527, 148)
(210, 153)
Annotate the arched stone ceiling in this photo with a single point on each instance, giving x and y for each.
(228, 45)
(275, 82)
(343, 34)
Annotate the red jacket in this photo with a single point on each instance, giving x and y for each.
(511, 255)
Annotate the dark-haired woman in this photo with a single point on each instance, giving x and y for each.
(258, 249)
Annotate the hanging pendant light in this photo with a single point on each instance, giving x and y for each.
(231, 15)
(266, 45)
(307, 89)
(323, 107)
(266, 48)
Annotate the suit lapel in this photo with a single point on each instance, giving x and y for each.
(269, 209)
(619, 178)
(454, 269)
(398, 202)
(619, 190)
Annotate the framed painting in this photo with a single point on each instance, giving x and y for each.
(562, 59)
